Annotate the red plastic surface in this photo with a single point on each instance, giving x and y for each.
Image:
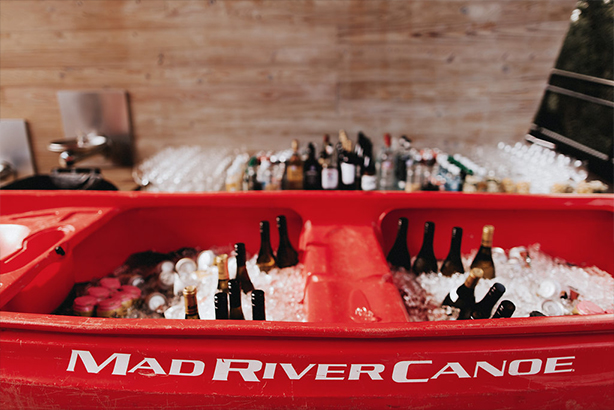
(332, 360)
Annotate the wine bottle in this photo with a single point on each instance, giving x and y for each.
(242, 275)
(220, 301)
(191, 304)
(258, 311)
(385, 166)
(266, 260)
(347, 163)
(483, 309)
(286, 255)
(368, 179)
(221, 262)
(312, 170)
(483, 259)
(425, 260)
(453, 262)
(293, 174)
(463, 298)
(398, 256)
(506, 309)
(330, 172)
(236, 312)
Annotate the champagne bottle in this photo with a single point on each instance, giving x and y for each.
(483, 309)
(453, 262)
(506, 309)
(286, 255)
(463, 298)
(236, 312)
(312, 170)
(258, 311)
(242, 275)
(221, 262)
(266, 260)
(483, 259)
(385, 166)
(294, 169)
(191, 304)
(221, 305)
(425, 261)
(398, 256)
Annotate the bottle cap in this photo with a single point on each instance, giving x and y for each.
(487, 235)
(84, 305)
(99, 292)
(110, 307)
(264, 226)
(587, 308)
(167, 266)
(185, 266)
(474, 276)
(132, 291)
(155, 301)
(110, 283)
(549, 289)
(553, 308)
(136, 280)
(166, 280)
(125, 298)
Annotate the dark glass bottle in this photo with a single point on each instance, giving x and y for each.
(221, 305)
(258, 311)
(236, 312)
(222, 272)
(534, 313)
(463, 298)
(368, 179)
(312, 170)
(453, 262)
(242, 275)
(266, 259)
(398, 256)
(425, 260)
(191, 304)
(483, 309)
(483, 259)
(286, 255)
(505, 309)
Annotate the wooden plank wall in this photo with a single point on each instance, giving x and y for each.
(258, 73)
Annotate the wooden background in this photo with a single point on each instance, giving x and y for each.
(259, 73)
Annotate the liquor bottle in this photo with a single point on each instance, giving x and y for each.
(221, 305)
(312, 170)
(191, 304)
(258, 311)
(402, 157)
(327, 150)
(330, 172)
(250, 181)
(242, 275)
(368, 179)
(453, 262)
(347, 163)
(286, 255)
(266, 260)
(483, 259)
(385, 166)
(398, 256)
(483, 309)
(236, 312)
(293, 174)
(506, 309)
(425, 260)
(222, 268)
(463, 298)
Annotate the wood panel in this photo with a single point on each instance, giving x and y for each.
(258, 73)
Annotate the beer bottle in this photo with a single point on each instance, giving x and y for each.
(191, 304)
(483, 308)
(221, 305)
(425, 261)
(266, 260)
(236, 312)
(242, 275)
(286, 255)
(398, 256)
(463, 298)
(506, 309)
(258, 311)
(222, 268)
(483, 259)
(453, 262)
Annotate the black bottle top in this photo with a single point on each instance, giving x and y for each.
(286, 255)
(425, 260)
(506, 309)
(483, 308)
(242, 275)
(312, 170)
(221, 305)
(453, 262)
(236, 312)
(398, 256)
(258, 311)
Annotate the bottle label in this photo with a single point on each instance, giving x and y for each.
(368, 182)
(294, 173)
(348, 173)
(330, 178)
(311, 176)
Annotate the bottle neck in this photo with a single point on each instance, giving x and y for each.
(455, 243)
(427, 240)
(402, 232)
